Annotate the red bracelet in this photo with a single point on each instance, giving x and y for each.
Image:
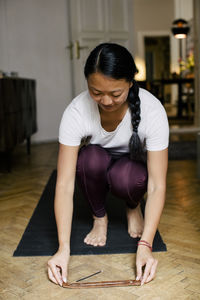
(144, 243)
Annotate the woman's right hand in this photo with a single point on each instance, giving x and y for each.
(58, 266)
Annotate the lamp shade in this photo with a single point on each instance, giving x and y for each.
(180, 28)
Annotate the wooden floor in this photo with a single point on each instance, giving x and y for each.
(24, 278)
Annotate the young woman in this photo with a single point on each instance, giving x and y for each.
(126, 134)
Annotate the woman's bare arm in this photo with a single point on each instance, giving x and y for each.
(157, 164)
(63, 204)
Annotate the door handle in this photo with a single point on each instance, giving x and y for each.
(78, 48)
(70, 48)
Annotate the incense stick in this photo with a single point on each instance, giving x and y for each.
(88, 276)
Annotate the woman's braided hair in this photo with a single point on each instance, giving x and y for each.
(115, 61)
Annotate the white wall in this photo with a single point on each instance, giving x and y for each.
(33, 37)
(152, 15)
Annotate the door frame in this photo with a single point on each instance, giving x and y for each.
(173, 54)
(141, 45)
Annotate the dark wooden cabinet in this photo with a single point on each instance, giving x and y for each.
(17, 111)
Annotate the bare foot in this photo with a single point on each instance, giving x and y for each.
(135, 222)
(97, 236)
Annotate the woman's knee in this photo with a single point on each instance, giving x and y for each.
(93, 159)
(127, 178)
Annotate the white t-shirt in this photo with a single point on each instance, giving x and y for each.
(81, 119)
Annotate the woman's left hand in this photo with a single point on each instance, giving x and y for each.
(145, 258)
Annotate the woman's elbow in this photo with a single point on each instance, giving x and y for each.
(160, 187)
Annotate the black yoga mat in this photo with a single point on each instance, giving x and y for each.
(40, 236)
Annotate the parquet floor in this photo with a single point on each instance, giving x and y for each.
(24, 278)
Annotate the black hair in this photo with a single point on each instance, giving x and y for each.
(116, 61)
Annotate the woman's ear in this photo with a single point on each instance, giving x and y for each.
(131, 84)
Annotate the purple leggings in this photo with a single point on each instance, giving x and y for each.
(97, 172)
